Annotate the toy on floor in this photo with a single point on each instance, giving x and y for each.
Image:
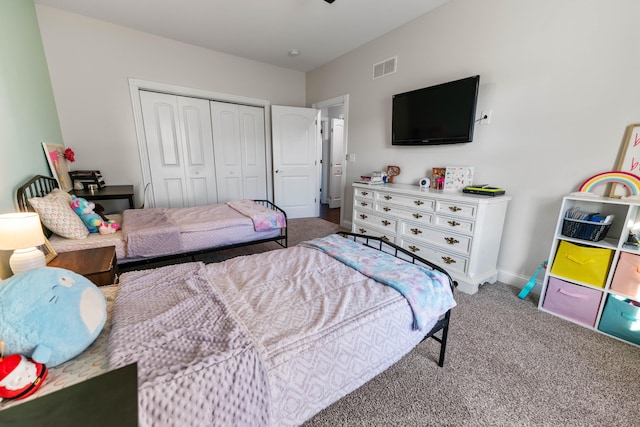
(92, 220)
(532, 282)
(19, 376)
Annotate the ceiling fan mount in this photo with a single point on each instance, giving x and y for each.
(329, 1)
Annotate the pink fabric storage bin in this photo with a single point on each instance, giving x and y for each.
(626, 278)
(575, 302)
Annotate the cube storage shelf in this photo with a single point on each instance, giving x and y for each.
(594, 281)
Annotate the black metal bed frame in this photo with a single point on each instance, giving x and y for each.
(382, 245)
(40, 186)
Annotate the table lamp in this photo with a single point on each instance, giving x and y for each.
(22, 232)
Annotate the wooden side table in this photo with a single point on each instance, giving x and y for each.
(98, 264)
(108, 192)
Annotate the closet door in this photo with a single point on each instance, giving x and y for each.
(179, 146)
(240, 151)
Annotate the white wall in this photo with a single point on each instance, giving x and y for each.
(561, 78)
(90, 62)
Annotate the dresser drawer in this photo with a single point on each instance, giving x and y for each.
(458, 225)
(450, 262)
(366, 217)
(455, 208)
(364, 194)
(367, 230)
(453, 242)
(418, 203)
(363, 203)
(400, 212)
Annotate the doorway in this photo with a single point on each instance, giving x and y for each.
(334, 147)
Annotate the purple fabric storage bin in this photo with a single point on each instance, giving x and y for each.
(575, 302)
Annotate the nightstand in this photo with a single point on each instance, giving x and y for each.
(98, 264)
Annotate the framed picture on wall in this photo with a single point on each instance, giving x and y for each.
(629, 160)
(55, 154)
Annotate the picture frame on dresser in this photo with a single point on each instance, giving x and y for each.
(629, 159)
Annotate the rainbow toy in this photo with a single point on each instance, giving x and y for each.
(628, 180)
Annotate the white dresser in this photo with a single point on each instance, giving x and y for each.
(460, 232)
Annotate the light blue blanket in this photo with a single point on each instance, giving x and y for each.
(427, 291)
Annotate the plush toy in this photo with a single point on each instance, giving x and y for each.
(19, 376)
(92, 220)
(108, 227)
(50, 314)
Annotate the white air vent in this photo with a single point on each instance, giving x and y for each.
(384, 68)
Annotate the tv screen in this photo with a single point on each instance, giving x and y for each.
(440, 114)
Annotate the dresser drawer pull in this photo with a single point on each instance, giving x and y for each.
(414, 248)
(362, 230)
(451, 240)
(418, 202)
(387, 197)
(363, 216)
(417, 216)
(386, 209)
(454, 208)
(364, 193)
(448, 260)
(364, 203)
(453, 223)
(385, 222)
(416, 231)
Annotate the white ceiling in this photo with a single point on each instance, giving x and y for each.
(263, 30)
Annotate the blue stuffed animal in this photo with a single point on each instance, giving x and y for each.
(50, 314)
(84, 209)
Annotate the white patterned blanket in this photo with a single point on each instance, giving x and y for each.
(196, 364)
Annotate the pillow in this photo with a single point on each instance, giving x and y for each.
(56, 214)
(50, 314)
(60, 194)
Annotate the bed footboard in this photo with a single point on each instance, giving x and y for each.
(283, 240)
(380, 244)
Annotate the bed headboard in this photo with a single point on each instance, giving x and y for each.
(38, 186)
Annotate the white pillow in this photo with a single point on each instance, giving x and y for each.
(56, 214)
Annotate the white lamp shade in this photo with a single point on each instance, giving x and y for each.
(20, 230)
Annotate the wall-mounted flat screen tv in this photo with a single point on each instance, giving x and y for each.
(440, 114)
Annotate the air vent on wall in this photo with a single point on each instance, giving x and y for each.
(384, 68)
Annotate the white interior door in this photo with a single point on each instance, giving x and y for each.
(179, 146)
(240, 151)
(337, 163)
(296, 154)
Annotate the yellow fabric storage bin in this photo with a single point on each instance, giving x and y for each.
(585, 264)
